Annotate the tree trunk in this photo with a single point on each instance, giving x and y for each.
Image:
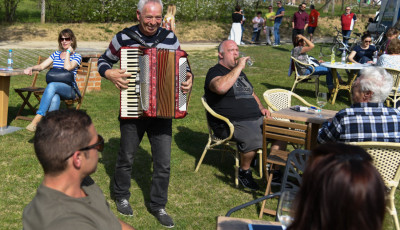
(333, 7)
(342, 8)
(325, 7)
(43, 12)
(10, 6)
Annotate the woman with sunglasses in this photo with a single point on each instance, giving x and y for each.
(363, 53)
(66, 58)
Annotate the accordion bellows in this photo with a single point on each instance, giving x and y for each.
(155, 82)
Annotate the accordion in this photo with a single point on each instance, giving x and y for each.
(154, 88)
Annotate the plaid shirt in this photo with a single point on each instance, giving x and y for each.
(362, 122)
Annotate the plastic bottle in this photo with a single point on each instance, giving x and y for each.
(375, 58)
(10, 60)
(333, 57)
(344, 57)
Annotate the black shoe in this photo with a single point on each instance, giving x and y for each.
(246, 179)
(163, 217)
(124, 207)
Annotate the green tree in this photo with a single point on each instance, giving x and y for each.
(10, 6)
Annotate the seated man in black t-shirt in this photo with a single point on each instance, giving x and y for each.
(229, 93)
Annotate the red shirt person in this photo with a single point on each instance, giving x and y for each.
(348, 20)
(312, 21)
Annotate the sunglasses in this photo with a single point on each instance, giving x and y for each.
(65, 39)
(99, 145)
(368, 41)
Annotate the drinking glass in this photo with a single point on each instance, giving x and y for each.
(321, 101)
(284, 211)
(250, 61)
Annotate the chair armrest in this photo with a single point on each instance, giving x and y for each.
(251, 203)
(304, 64)
(216, 115)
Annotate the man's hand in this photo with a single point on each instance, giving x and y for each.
(266, 113)
(117, 76)
(187, 85)
(242, 62)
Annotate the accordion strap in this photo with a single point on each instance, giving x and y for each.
(160, 37)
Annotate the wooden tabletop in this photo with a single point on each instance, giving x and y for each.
(304, 116)
(13, 72)
(231, 223)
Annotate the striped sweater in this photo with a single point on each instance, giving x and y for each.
(112, 54)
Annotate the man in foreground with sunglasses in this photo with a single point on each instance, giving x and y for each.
(67, 145)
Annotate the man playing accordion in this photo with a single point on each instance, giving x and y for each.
(159, 130)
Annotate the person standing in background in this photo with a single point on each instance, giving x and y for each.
(299, 22)
(258, 22)
(312, 21)
(236, 30)
(348, 20)
(277, 23)
(243, 21)
(269, 24)
(169, 18)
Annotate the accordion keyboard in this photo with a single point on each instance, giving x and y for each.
(130, 97)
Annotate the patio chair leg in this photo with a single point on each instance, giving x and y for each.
(334, 97)
(393, 213)
(237, 168)
(267, 191)
(294, 85)
(260, 164)
(203, 155)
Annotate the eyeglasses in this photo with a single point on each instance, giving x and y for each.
(369, 41)
(65, 39)
(99, 145)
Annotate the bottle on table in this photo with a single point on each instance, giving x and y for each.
(10, 60)
(333, 57)
(344, 57)
(375, 58)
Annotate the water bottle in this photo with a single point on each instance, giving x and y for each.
(333, 57)
(344, 57)
(10, 60)
(375, 58)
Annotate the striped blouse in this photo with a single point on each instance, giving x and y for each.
(59, 63)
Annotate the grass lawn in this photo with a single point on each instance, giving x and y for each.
(195, 199)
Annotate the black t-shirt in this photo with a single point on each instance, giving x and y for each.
(237, 104)
(360, 52)
(236, 17)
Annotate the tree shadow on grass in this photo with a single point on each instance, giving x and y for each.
(141, 167)
(193, 142)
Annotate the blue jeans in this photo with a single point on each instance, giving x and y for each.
(159, 132)
(322, 70)
(276, 33)
(256, 36)
(54, 92)
(346, 33)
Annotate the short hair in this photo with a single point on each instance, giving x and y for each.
(259, 12)
(341, 179)
(141, 4)
(376, 80)
(67, 33)
(392, 31)
(58, 134)
(394, 46)
(237, 8)
(312, 7)
(220, 47)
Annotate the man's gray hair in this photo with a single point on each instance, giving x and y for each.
(220, 47)
(141, 4)
(378, 81)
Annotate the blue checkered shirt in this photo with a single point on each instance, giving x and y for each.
(362, 122)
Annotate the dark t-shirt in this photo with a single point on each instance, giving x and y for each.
(362, 52)
(237, 104)
(236, 17)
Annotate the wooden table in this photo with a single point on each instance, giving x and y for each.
(5, 76)
(309, 118)
(231, 223)
(352, 75)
